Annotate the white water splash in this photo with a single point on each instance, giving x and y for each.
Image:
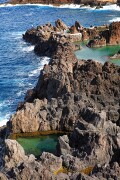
(3, 122)
(28, 48)
(43, 61)
(115, 19)
(113, 7)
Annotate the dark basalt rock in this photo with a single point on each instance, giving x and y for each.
(82, 97)
(110, 36)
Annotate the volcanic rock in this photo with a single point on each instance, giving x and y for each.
(110, 36)
(50, 161)
(81, 97)
(14, 153)
(60, 25)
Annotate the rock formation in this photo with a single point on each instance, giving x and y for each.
(77, 96)
(65, 95)
(110, 36)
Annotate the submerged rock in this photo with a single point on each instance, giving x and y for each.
(116, 56)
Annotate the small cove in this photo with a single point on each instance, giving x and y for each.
(36, 145)
(101, 54)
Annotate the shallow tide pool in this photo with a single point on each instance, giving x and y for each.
(36, 145)
(101, 54)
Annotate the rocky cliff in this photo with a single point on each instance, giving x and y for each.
(82, 97)
(110, 36)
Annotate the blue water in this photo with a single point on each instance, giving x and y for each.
(19, 66)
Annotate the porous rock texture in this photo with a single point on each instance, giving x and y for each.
(82, 97)
(110, 36)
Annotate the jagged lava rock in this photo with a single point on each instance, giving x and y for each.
(110, 36)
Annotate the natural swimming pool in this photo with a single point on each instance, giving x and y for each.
(36, 145)
(101, 54)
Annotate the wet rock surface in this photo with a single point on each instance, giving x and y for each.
(80, 97)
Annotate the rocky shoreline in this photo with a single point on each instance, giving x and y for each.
(97, 3)
(71, 95)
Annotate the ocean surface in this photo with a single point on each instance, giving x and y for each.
(19, 66)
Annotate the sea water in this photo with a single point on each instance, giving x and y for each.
(19, 66)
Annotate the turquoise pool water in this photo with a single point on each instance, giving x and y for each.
(101, 54)
(36, 145)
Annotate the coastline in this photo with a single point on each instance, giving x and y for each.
(70, 95)
(61, 2)
(66, 4)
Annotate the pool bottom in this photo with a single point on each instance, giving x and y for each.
(36, 145)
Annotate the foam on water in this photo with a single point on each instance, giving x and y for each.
(3, 122)
(70, 6)
(44, 60)
(115, 19)
(28, 48)
(5, 119)
(112, 7)
(20, 93)
(76, 6)
(16, 5)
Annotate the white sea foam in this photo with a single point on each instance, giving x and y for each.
(3, 122)
(21, 84)
(43, 61)
(70, 6)
(28, 48)
(113, 7)
(16, 34)
(20, 93)
(115, 19)
(12, 5)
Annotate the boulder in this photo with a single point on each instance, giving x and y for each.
(114, 30)
(60, 25)
(97, 42)
(63, 146)
(106, 36)
(14, 153)
(3, 176)
(73, 30)
(51, 162)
